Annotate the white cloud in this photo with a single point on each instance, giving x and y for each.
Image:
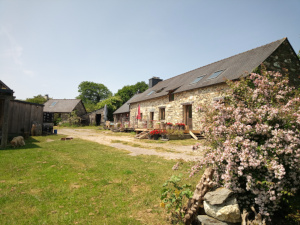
(28, 73)
(12, 52)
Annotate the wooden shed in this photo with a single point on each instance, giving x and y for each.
(6, 95)
(17, 117)
(22, 115)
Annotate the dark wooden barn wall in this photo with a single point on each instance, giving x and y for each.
(22, 116)
(1, 113)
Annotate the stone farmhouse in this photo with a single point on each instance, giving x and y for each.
(176, 99)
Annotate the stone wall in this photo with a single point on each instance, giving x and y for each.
(80, 110)
(282, 58)
(174, 110)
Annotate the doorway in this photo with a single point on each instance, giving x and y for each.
(188, 116)
(98, 119)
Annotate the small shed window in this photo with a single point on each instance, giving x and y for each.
(197, 80)
(215, 74)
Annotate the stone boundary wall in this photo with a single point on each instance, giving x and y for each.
(174, 110)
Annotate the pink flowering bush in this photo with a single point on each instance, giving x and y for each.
(254, 137)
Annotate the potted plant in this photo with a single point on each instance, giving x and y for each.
(180, 126)
(175, 134)
(169, 125)
(154, 134)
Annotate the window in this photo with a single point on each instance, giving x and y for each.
(53, 104)
(162, 113)
(151, 116)
(215, 74)
(171, 97)
(151, 92)
(160, 90)
(197, 80)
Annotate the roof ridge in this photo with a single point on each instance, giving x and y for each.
(236, 65)
(281, 40)
(63, 99)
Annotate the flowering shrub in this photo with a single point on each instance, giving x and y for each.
(169, 124)
(255, 141)
(180, 124)
(199, 109)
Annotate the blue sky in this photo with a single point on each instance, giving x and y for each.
(50, 46)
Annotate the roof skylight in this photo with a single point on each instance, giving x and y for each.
(151, 92)
(197, 80)
(215, 74)
(53, 103)
(160, 90)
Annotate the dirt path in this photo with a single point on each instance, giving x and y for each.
(134, 146)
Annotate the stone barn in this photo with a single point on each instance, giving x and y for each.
(64, 107)
(95, 118)
(176, 99)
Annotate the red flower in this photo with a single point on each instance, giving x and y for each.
(155, 132)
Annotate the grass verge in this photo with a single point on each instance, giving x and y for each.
(50, 181)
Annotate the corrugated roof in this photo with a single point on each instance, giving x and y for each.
(125, 107)
(61, 105)
(233, 68)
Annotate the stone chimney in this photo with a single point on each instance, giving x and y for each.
(46, 97)
(153, 81)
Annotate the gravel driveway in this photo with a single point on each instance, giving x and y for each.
(166, 150)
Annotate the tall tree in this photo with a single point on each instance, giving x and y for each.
(39, 99)
(129, 90)
(92, 93)
(112, 103)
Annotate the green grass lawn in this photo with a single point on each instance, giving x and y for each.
(50, 181)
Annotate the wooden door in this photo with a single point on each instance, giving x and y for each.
(188, 116)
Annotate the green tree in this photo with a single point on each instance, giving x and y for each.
(92, 93)
(112, 103)
(129, 90)
(39, 99)
(90, 107)
(298, 54)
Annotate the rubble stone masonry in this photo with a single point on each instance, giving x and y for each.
(174, 110)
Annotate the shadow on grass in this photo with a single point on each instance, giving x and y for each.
(29, 143)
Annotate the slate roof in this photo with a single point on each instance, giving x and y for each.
(61, 105)
(125, 107)
(233, 68)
